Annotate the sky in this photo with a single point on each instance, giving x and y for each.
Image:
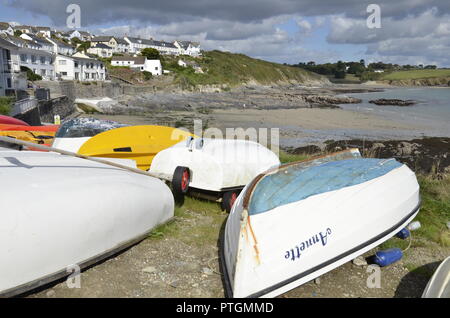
(284, 31)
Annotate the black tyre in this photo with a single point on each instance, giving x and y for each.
(180, 181)
(228, 200)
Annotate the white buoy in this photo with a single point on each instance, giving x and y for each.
(414, 226)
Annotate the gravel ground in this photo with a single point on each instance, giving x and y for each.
(169, 267)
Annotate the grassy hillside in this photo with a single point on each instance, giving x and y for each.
(222, 68)
(416, 74)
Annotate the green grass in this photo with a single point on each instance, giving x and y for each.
(223, 68)
(433, 216)
(416, 74)
(287, 157)
(197, 222)
(5, 105)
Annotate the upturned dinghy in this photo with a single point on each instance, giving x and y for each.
(439, 284)
(58, 211)
(216, 169)
(138, 143)
(75, 132)
(293, 224)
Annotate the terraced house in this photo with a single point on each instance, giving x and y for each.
(40, 62)
(11, 78)
(5, 28)
(79, 67)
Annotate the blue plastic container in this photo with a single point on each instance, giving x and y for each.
(388, 257)
(403, 234)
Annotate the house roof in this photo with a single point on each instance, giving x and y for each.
(185, 44)
(136, 60)
(7, 45)
(62, 43)
(102, 46)
(164, 44)
(39, 40)
(140, 41)
(121, 41)
(102, 38)
(19, 41)
(39, 28)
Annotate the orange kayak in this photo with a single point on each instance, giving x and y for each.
(50, 128)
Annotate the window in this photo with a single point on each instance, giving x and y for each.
(64, 73)
(42, 59)
(156, 68)
(8, 82)
(76, 63)
(87, 75)
(23, 58)
(43, 73)
(33, 59)
(62, 62)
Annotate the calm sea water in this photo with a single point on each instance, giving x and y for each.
(431, 115)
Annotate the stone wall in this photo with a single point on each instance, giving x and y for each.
(75, 90)
(62, 106)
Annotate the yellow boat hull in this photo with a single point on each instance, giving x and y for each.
(139, 143)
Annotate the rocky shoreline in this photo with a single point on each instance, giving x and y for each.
(392, 102)
(246, 97)
(427, 155)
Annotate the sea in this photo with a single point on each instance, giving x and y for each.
(430, 116)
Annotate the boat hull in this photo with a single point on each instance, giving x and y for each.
(217, 165)
(76, 212)
(139, 143)
(267, 254)
(6, 120)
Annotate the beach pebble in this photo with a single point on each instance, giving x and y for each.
(359, 261)
(207, 271)
(51, 294)
(317, 281)
(149, 270)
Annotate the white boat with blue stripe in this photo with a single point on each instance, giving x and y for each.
(301, 220)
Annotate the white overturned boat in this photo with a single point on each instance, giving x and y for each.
(439, 284)
(75, 132)
(293, 224)
(58, 211)
(213, 167)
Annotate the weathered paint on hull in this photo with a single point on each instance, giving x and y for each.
(270, 253)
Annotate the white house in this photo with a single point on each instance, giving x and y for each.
(139, 62)
(60, 47)
(5, 28)
(79, 67)
(106, 40)
(11, 78)
(43, 31)
(45, 44)
(165, 48)
(188, 48)
(20, 42)
(122, 46)
(40, 62)
(81, 35)
(136, 45)
(101, 50)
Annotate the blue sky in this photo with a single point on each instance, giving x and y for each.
(282, 31)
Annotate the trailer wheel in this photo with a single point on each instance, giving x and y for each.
(228, 200)
(180, 181)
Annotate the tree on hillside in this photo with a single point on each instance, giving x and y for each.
(151, 54)
(76, 40)
(18, 33)
(84, 46)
